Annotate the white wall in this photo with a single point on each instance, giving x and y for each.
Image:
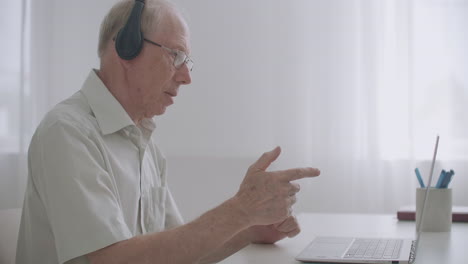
(257, 64)
(247, 53)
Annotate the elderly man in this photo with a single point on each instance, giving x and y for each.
(97, 188)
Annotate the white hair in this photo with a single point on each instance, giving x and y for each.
(151, 19)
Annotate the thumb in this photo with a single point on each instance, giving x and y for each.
(266, 159)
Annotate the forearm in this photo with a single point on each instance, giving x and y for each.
(186, 244)
(239, 241)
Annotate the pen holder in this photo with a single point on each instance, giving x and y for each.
(438, 211)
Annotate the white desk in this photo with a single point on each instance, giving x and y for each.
(447, 248)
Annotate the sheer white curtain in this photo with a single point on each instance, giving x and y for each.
(355, 57)
(41, 51)
(370, 94)
(336, 83)
(15, 101)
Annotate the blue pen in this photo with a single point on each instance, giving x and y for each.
(447, 179)
(420, 180)
(452, 173)
(443, 175)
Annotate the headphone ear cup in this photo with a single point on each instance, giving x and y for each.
(129, 40)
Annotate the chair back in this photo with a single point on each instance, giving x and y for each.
(9, 228)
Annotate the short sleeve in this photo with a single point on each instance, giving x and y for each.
(79, 195)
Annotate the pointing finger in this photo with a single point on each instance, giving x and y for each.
(298, 173)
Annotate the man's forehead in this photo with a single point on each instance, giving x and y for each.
(174, 32)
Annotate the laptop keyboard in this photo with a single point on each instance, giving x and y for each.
(375, 249)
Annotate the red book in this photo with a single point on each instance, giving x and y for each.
(459, 213)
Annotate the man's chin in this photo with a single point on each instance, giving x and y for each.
(160, 111)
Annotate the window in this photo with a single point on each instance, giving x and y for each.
(15, 99)
(15, 102)
(440, 81)
(423, 86)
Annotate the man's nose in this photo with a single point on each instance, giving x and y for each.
(183, 75)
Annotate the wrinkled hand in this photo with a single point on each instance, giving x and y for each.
(266, 197)
(269, 234)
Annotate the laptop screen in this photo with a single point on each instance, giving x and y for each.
(428, 187)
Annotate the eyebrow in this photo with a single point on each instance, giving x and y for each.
(182, 47)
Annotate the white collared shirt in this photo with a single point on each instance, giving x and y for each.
(95, 178)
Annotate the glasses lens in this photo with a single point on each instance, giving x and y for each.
(182, 58)
(179, 59)
(189, 63)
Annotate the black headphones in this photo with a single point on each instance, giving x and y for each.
(129, 40)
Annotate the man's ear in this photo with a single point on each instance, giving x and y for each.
(126, 64)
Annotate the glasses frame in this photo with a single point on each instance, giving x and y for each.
(176, 53)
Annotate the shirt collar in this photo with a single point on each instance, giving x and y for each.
(109, 113)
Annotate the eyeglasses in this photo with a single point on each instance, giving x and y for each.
(180, 57)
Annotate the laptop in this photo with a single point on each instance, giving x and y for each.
(367, 250)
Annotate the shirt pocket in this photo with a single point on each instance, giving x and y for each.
(156, 214)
